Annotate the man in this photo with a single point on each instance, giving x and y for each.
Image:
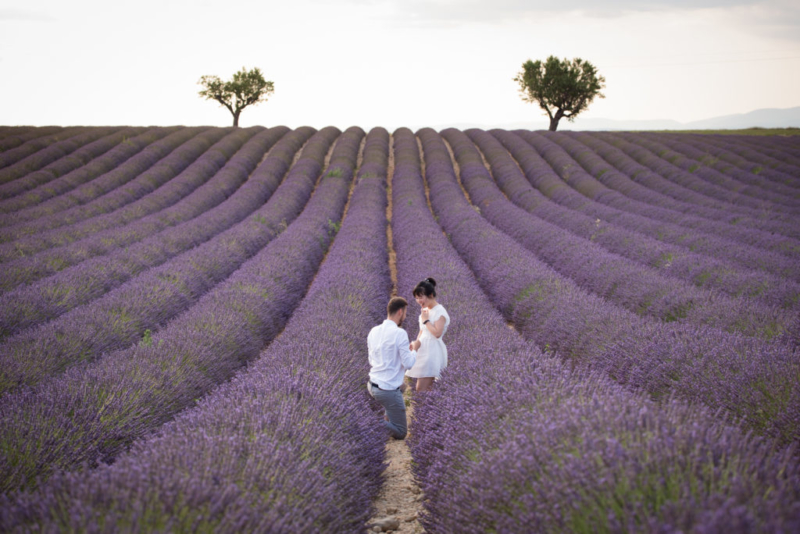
(389, 357)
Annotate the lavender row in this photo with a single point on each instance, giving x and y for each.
(778, 202)
(25, 229)
(510, 440)
(49, 165)
(75, 169)
(664, 174)
(783, 149)
(712, 168)
(656, 222)
(577, 216)
(178, 277)
(290, 444)
(716, 176)
(116, 168)
(619, 280)
(71, 172)
(786, 166)
(22, 158)
(638, 199)
(13, 132)
(136, 257)
(138, 389)
(710, 220)
(29, 305)
(181, 173)
(725, 161)
(751, 379)
(779, 148)
(23, 134)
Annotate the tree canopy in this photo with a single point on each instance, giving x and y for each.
(562, 88)
(246, 88)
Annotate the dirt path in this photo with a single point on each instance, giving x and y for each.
(457, 171)
(400, 499)
(389, 238)
(424, 177)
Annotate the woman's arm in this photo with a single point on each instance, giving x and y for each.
(436, 328)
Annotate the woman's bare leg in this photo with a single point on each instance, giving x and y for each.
(424, 384)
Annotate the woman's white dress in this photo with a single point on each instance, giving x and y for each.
(432, 352)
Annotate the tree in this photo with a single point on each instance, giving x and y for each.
(245, 89)
(563, 88)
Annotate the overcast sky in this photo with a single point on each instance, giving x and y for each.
(389, 62)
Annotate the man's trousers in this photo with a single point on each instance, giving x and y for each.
(395, 406)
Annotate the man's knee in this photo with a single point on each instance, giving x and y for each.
(397, 431)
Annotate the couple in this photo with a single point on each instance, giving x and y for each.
(391, 355)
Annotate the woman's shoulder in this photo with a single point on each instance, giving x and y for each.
(441, 310)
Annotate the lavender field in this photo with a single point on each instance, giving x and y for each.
(184, 312)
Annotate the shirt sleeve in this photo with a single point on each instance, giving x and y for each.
(407, 357)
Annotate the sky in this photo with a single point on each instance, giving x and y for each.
(389, 63)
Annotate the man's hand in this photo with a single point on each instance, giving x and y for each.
(414, 345)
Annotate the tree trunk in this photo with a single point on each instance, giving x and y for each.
(554, 119)
(236, 118)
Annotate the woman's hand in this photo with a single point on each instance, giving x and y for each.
(414, 345)
(424, 314)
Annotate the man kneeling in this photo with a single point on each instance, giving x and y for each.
(390, 356)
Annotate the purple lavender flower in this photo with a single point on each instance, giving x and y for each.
(118, 167)
(157, 294)
(554, 312)
(19, 135)
(621, 281)
(626, 234)
(699, 235)
(200, 160)
(37, 152)
(291, 444)
(512, 440)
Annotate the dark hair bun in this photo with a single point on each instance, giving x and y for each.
(427, 287)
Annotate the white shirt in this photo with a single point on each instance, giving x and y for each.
(389, 355)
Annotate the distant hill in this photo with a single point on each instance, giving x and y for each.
(764, 118)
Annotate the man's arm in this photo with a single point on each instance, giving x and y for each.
(407, 357)
(370, 343)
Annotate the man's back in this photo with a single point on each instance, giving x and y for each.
(389, 355)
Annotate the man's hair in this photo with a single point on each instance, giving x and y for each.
(396, 304)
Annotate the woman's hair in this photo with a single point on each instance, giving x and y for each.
(427, 287)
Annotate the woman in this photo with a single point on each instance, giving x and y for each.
(431, 350)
